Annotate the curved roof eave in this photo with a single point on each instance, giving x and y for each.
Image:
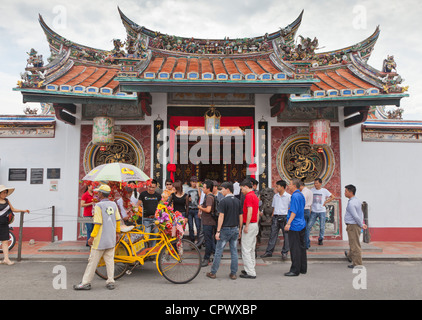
(54, 36)
(360, 46)
(133, 29)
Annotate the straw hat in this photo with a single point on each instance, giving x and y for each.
(9, 190)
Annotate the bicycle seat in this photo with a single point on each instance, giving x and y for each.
(126, 228)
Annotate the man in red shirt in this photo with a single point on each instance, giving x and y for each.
(87, 201)
(250, 229)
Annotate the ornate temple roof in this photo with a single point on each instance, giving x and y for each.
(275, 63)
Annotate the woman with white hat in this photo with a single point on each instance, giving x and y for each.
(6, 209)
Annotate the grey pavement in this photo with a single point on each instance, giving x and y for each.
(324, 280)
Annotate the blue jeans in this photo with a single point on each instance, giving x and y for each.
(89, 228)
(150, 227)
(230, 235)
(193, 217)
(314, 216)
(209, 232)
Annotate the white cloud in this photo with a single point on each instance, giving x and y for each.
(11, 101)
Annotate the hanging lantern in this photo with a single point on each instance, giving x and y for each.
(320, 134)
(212, 121)
(103, 132)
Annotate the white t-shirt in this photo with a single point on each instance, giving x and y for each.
(309, 197)
(236, 188)
(319, 198)
(122, 209)
(281, 204)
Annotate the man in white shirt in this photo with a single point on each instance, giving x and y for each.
(321, 197)
(281, 203)
(236, 189)
(309, 198)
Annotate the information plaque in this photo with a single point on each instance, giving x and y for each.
(37, 176)
(53, 173)
(16, 174)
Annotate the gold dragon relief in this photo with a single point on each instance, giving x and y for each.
(302, 161)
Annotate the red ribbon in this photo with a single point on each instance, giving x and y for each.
(252, 169)
(171, 167)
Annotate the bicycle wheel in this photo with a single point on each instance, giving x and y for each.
(119, 268)
(180, 270)
(12, 242)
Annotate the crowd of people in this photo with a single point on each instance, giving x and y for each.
(218, 214)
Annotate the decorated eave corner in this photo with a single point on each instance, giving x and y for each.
(290, 68)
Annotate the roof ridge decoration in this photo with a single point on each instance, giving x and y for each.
(387, 79)
(195, 46)
(57, 43)
(80, 52)
(305, 51)
(144, 58)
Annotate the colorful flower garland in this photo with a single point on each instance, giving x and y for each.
(171, 222)
(118, 190)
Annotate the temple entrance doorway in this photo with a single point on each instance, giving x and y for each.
(220, 156)
(214, 164)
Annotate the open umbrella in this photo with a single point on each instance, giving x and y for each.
(121, 172)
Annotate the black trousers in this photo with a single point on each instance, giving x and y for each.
(298, 251)
(277, 223)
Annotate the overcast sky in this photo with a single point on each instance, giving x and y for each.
(95, 23)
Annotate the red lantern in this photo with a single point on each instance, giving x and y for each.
(320, 134)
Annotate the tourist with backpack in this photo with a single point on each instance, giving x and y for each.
(230, 215)
(208, 222)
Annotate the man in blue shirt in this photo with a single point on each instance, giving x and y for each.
(296, 226)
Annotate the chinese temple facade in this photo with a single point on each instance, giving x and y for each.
(175, 106)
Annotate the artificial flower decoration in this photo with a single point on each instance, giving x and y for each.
(171, 222)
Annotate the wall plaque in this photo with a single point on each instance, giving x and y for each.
(53, 173)
(37, 176)
(17, 174)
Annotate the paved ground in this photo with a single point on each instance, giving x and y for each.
(332, 250)
(393, 270)
(324, 280)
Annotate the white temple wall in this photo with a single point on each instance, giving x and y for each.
(62, 152)
(387, 177)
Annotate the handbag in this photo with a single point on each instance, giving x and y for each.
(11, 217)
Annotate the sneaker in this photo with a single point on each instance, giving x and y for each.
(211, 275)
(110, 286)
(247, 276)
(82, 286)
(205, 262)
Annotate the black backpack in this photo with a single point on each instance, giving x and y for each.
(214, 210)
